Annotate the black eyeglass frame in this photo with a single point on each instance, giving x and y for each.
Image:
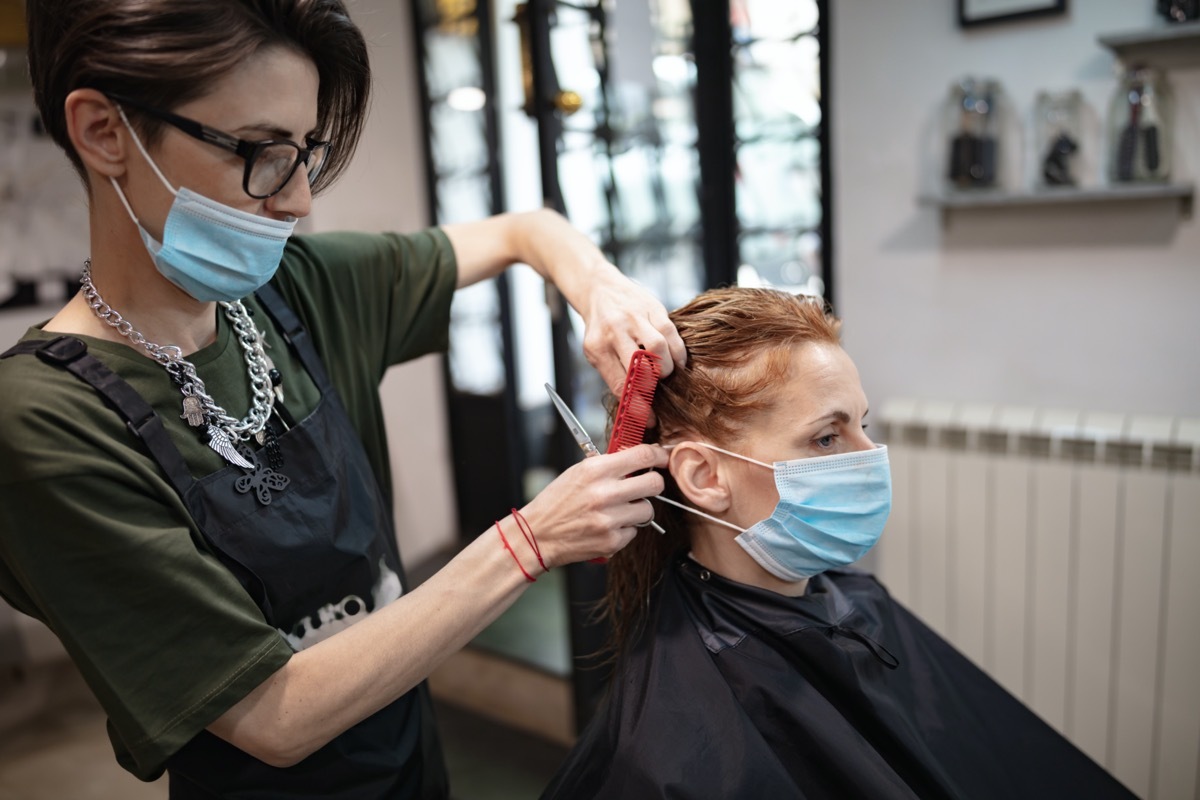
(249, 151)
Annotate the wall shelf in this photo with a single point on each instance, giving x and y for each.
(1166, 45)
(950, 201)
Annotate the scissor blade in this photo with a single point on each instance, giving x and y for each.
(581, 437)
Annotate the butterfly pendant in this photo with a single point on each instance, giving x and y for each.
(262, 480)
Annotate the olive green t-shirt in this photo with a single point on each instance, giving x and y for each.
(96, 543)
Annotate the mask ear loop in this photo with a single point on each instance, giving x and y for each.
(735, 455)
(142, 149)
(697, 511)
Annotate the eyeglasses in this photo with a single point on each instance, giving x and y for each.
(270, 163)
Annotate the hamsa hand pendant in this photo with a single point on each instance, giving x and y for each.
(192, 411)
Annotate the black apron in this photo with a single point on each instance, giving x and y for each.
(314, 554)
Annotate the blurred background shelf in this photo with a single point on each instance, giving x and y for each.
(1166, 45)
(951, 201)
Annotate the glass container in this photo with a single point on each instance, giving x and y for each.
(1179, 10)
(1057, 128)
(972, 128)
(1139, 128)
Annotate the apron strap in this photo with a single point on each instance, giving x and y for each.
(295, 334)
(71, 354)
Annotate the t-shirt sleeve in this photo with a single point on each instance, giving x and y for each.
(381, 299)
(94, 543)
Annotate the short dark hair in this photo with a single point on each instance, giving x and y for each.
(165, 53)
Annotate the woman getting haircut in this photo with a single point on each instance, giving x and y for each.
(751, 660)
(195, 489)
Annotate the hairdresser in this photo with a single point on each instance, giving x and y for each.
(193, 475)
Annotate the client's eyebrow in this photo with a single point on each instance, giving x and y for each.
(840, 416)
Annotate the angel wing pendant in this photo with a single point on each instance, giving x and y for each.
(222, 445)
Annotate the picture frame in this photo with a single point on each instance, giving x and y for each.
(972, 13)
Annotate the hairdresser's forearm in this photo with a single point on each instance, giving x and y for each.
(619, 315)
(542, 239)
(333, 685)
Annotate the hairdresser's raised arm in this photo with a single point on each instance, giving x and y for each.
(619, 314)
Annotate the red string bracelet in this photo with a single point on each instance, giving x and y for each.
(520, 566)
(527, 532)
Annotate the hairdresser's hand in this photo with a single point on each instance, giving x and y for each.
(592, 510)
(619, 316)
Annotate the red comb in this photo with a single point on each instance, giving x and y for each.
(633, 412)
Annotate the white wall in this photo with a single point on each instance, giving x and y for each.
(383, 190)
(1090, 307)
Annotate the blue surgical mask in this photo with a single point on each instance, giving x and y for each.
(210, 250)
(831, 511)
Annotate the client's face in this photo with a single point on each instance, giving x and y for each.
(821, 410)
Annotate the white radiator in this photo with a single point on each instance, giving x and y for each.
(1060, 551)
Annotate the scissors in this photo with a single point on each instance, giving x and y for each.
(582, 439)
(581, 436)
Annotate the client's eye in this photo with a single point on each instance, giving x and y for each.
(826, 441)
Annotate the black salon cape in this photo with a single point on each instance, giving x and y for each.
(735, 692)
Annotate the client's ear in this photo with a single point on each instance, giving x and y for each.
(698, 474)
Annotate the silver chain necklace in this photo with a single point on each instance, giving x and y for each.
(199, 409)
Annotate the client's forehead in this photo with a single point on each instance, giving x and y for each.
(821, 381)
